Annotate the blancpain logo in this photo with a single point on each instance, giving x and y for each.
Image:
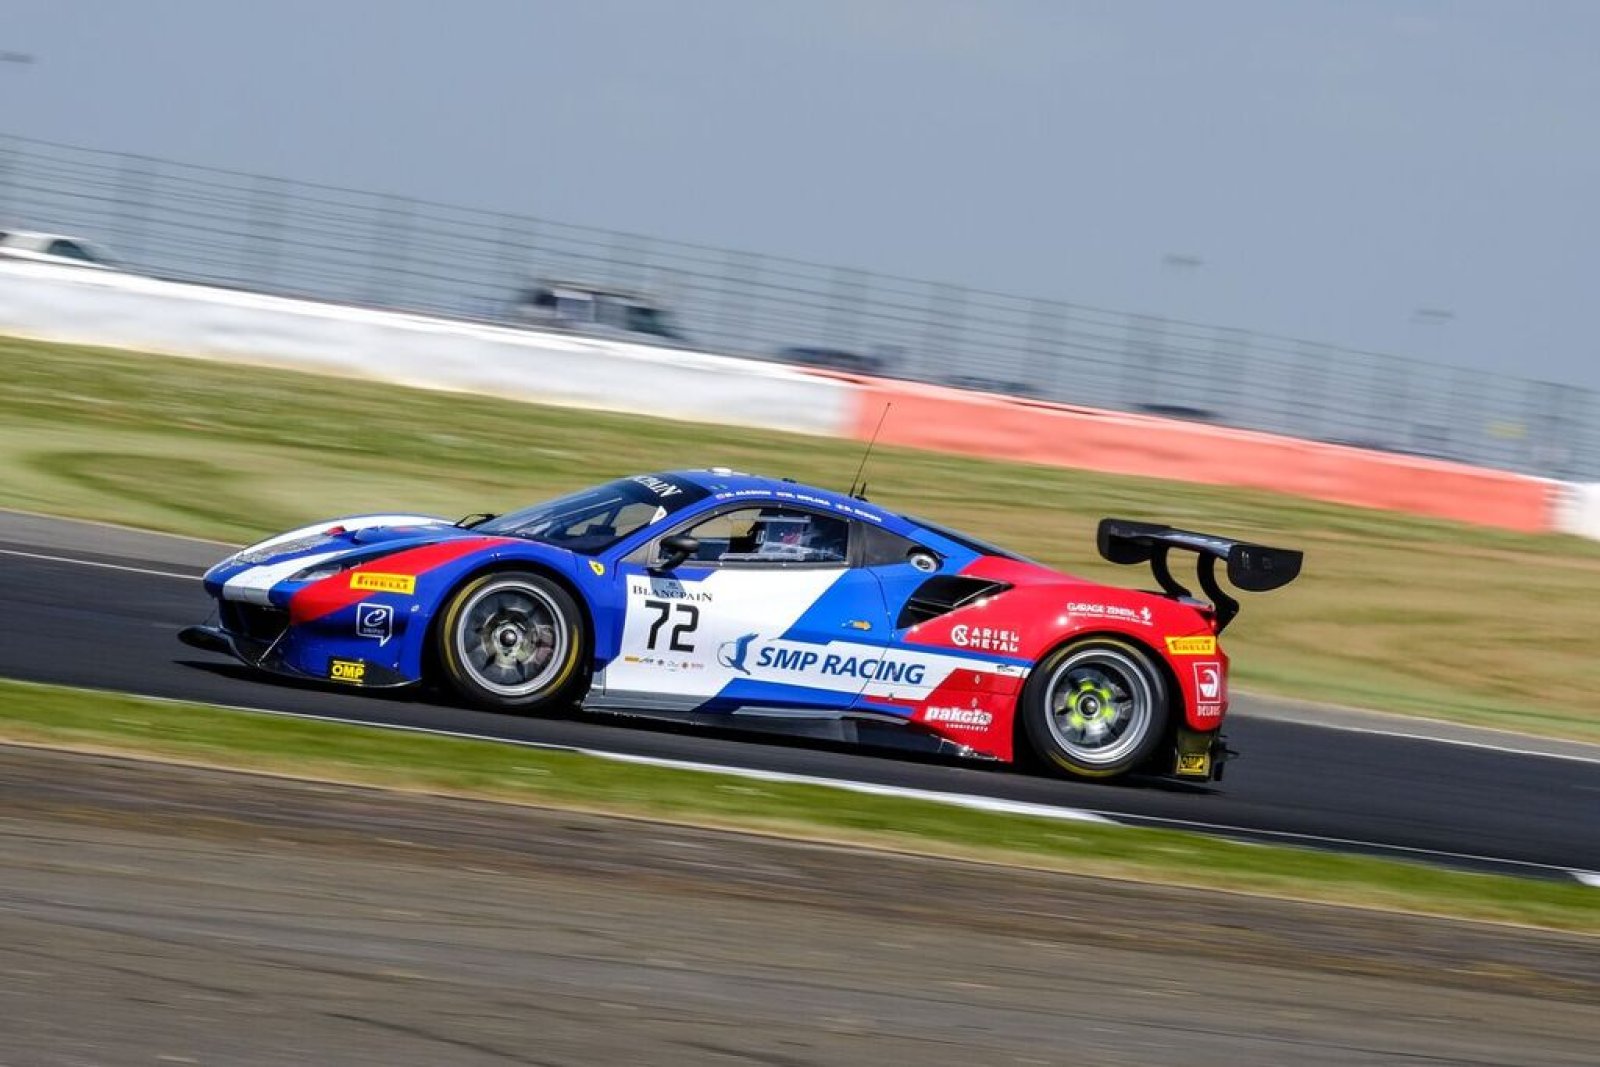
(669, 591)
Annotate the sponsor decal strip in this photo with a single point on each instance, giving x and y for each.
(396, 573)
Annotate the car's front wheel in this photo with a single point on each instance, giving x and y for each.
(513, 641)
(1096, 708)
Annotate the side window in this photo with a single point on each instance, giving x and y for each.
(771, 536)
(880, 547)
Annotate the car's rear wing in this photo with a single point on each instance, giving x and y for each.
(1255, 568)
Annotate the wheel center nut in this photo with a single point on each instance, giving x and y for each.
(508, 637)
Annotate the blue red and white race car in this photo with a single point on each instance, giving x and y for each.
(717, 597)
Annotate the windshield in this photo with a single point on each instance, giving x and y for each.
(592, 520)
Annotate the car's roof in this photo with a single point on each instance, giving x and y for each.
(727, 480)
(719, 480)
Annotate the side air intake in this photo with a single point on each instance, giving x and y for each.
(943, 594)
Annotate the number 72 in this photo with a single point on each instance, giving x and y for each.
(675, 637)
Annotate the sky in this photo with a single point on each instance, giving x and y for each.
(1333, 165)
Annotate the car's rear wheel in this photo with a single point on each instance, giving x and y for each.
(513, 641)
(1096, 708)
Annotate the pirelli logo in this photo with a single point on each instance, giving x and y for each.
(347, 670)
(1192, 646)
(378, 582)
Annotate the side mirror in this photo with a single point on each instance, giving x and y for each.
(676, 549)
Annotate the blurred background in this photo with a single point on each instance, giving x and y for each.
(1361, 223)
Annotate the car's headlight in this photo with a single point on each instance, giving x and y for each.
(327, 568)
(322, 570)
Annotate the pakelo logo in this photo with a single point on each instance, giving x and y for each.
(378, 582)
(959, 718)
(347, 670)
(1141, 617)
(1192, 646)
(985, 637)
(375, 621)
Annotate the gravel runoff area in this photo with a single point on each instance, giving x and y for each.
(159, 914)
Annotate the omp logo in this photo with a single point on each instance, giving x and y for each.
(378, 582)
(1192, 646)
(733, 653)
(1208, 680)
(347, 670)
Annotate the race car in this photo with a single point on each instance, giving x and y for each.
(716, 597)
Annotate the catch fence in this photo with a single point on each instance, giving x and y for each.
(298, 238)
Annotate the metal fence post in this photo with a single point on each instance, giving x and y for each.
(1392, 390)
(1044, 348)
(741, 273)
(390, 251)
(265, 232)
(134, 179)
(942, 335)
(845, 294)
(1230, 358)
(10, 160)
(1141, 360)
(1308, 383)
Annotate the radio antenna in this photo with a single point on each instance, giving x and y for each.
(862, 494)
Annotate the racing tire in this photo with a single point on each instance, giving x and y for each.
(1096, 708)
(513, 641)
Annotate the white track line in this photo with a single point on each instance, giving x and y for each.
(1223, 829)
(958, 800)
(96, 563)
(1459, 742)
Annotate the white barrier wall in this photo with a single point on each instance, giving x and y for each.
(1579, 511)
(82, 306)
(126, 311)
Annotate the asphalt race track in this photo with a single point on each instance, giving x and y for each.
(105, 611)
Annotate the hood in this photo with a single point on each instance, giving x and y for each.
(322, 549)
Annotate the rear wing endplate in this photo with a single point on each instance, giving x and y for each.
(1254, 568)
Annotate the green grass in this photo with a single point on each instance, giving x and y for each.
(99, 721)
(1393, 612)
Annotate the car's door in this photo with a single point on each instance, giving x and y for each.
(768, 615)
